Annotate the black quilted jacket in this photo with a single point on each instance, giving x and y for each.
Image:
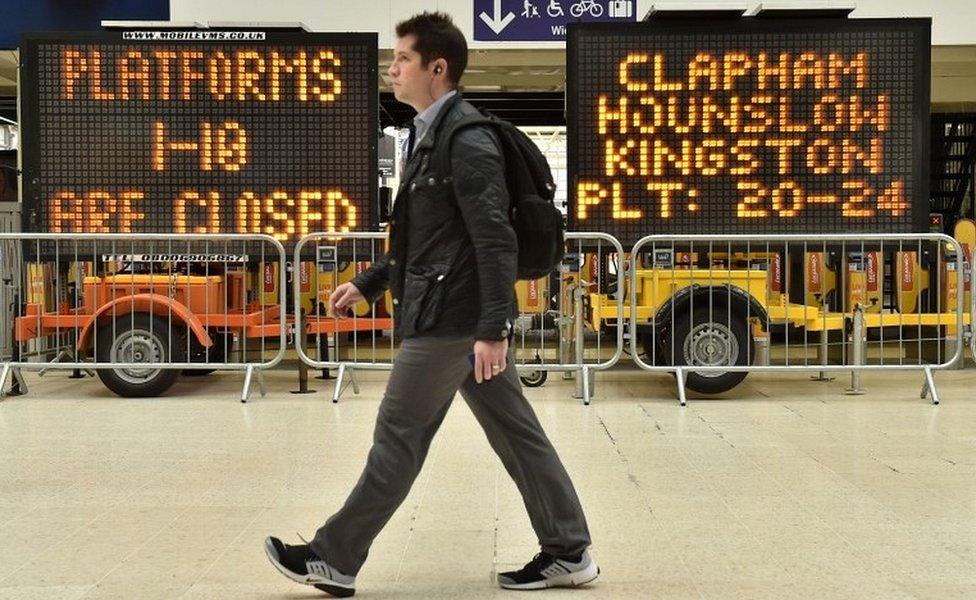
(453, 253)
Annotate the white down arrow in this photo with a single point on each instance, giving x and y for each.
(497, 23)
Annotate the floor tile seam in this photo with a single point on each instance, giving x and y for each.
(735, 515)
(258, 514)
(107, 510)
(822, 465)
(497, 515)
(427, 470)
(673, 547)
(136, 551)
(664, 433)
(854, 549)
(86, 525)
(19, 517)
(648, 506)
(755, 538)
(186, 509)
(41, 553)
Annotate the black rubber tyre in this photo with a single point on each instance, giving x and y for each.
(711, 337)
(139, 338)
(534, 378)
(223, 345)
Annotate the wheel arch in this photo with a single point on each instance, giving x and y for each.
(153, 304)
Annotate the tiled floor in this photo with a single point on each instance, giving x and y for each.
(785, 489)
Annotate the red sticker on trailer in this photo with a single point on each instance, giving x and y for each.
(533, 300)
(815, 278)
(872, 271)
(776, 279)
(907, 271)
(305, 277)
(269, 278)
(967, 257)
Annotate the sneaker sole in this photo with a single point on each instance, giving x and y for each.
(570, 580)
(326, 585)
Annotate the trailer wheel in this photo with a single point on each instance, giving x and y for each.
(534, 378)
(139, 338)
(711, 336)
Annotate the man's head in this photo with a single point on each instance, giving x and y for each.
(429, 59)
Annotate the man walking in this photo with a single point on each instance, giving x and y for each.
(451, 269)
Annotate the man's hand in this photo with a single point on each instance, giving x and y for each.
(343, 298)
(489, 359)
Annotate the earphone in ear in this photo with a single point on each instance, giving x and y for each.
(437, 70)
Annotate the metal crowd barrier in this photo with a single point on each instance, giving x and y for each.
(553, 333)
(361, 341)
(139, 310)
(552, 336)
(710, 309)
(10, 262)
(972, 308)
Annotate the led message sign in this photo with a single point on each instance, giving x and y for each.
(274, 134)
(748, 126)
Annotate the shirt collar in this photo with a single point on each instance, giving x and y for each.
(423, 121)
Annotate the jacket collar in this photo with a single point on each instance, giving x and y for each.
(428, 141)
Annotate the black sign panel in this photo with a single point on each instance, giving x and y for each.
(748, 126)
(199, 132)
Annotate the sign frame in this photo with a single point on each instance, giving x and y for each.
(29, 105)
(921, 109)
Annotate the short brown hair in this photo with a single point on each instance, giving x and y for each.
(436, 36)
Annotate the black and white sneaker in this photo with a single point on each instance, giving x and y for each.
(548, 571)
(300, 564)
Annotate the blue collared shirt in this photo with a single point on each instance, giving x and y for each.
(423, 121)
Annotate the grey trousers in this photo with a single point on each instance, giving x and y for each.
(426, 375)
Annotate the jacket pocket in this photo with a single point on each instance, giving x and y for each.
(424, 290)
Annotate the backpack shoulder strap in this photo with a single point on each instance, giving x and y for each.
(443, 152)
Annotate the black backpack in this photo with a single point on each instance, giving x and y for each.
(537, 222)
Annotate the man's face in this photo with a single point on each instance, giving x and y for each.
(411, 81)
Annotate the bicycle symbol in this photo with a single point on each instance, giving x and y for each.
(592, 6)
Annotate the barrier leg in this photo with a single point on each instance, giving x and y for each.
(246, 392)
(929, 386)
(340, 376)
(261, 389)
(300, 341)
(322, 342)
(585, 384)
(822, 352)
(61, 356)
(679, 377)
(337, 391)
(303, 380)
(353, 381)
(19, 386)
(858, 351)
(3, 378)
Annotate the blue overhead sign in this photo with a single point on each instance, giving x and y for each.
(543, 20)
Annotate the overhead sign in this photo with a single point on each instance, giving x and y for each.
(543, 20)
(240, 132)
(749, 126)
